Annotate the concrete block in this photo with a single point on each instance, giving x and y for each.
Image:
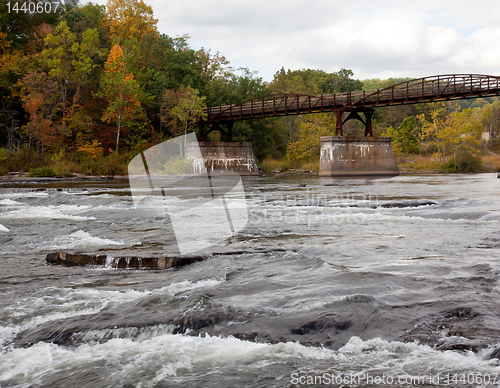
(356, 156)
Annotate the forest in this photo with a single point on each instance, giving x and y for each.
(84, 89)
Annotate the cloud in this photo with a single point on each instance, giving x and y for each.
(387, 39)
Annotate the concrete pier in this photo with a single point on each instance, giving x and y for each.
(356, 156)
(237, 157)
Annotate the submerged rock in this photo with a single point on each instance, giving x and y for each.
(80, 259)
(162, 262)
(495, 354)
(403, 204)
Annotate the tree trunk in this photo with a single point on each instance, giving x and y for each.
(118, 131)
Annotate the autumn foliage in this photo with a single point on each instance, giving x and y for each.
(87, 88)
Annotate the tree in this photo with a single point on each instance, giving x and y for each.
(190, 108)
(341, 82)
(459, 130)
(57, 55)
(71, 60)
(86, 54)
(10, 70)
(404, 140)
(431, 129)
(39, 95)
(130, 19)
(120, 89)
(311, 128)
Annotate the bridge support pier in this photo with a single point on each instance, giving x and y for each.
(232, 156)
(354, 115)
(227, 133)
(356, 156)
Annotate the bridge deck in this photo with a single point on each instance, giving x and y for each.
(428, 89)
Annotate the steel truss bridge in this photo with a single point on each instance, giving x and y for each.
(420, 90)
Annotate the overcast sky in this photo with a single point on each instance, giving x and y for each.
(375, 39)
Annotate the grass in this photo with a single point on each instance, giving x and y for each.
(271, 164)
(426, 163)
(491, 163)
(418, 163)
(406, 163)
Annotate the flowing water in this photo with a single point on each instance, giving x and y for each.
(393, 280)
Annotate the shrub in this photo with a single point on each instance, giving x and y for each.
(178, 165)
(42, 171)
(463, 162)
(494, 145)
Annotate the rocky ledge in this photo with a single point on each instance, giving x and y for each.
(163, 262)
(80, 259)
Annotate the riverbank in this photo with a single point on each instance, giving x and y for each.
(487, 161)
(483, 161)
(25, 177)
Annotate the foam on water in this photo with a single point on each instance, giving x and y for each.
(32, 311)
(174, 356)
(24, 194)
(79, 239)
(10, 202)
(60, 212)
(415, 259)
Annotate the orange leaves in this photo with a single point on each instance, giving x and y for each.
(120, 89)
(115, 61)
(38, 93)
(121, 85)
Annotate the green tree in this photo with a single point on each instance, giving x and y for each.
(341, 82)
(189, 109)
(57, 55)
(86, 55)
(404, 139)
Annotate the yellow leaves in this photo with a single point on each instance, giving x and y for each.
(311, 128)
(130, 19)
(458, 129)
(4, 43)
(9, 59)
(93, 149)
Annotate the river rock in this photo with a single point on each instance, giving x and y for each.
(495, 354)
(162, 262)
(80, 259)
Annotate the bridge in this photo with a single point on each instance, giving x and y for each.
(420, 90)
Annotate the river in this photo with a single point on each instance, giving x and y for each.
(332, 281)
